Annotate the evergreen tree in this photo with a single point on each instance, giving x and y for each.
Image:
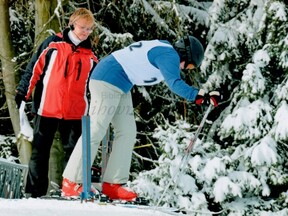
(242, 161)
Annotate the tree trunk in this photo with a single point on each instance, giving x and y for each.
(9, 80)
(43, 23)
(46, 19)
(8, 66)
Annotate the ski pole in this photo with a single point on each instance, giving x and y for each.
(188, 150)
(86, 159)
(193, 140)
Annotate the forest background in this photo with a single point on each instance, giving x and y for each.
(246, 58)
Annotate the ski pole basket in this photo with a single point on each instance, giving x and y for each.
(12, 179)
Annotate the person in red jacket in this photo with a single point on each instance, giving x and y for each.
(58, 74)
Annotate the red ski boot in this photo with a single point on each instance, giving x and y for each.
(118, 192)
(73, 189)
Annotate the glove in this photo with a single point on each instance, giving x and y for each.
(215, 97)
(18, 99)
(201, 97)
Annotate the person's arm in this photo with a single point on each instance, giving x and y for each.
(168, 62)
(29, 77)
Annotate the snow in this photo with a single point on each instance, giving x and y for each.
(245, 118)
(225, 186)
(254, 126)
(281, 130)
(265, 152)
(279, 10)
(212, 168)
(41, 207)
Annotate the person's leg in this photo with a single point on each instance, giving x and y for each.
(70, 131)
(124, 128)
(104, 101)
(117, 170)
(37, 179)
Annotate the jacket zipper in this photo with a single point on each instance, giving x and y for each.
(79, 70)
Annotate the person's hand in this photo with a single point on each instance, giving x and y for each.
(18, 99)
(201, 97)
(214, 98)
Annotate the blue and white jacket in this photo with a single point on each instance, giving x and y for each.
(144, 63)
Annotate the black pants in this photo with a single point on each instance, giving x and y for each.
(44, 132)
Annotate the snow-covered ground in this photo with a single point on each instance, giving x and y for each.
(41, 207)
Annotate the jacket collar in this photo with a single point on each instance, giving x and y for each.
(85, 44)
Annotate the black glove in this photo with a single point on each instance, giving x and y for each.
(201, 97)
(215, 97)
(18, 99)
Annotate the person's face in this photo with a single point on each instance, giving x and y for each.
(188, 67)
(82, 28)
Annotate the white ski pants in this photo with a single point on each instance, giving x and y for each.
(108, 105)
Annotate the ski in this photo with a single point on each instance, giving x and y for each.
(101, 199)
(189, 212)
(56, 193)
(135, 205)
(139, 203)
(170, 210)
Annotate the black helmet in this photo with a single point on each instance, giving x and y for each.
(190, 50)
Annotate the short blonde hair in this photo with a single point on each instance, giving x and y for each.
(81, 13)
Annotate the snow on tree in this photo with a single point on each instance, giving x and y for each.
(241, 163)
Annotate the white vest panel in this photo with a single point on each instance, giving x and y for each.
(135, 62)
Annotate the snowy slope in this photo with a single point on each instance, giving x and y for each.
(41, 207)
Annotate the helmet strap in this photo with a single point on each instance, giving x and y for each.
(188, 51)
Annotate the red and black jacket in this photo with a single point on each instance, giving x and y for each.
(58, 73)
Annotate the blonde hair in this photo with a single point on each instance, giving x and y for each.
(81, 13)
